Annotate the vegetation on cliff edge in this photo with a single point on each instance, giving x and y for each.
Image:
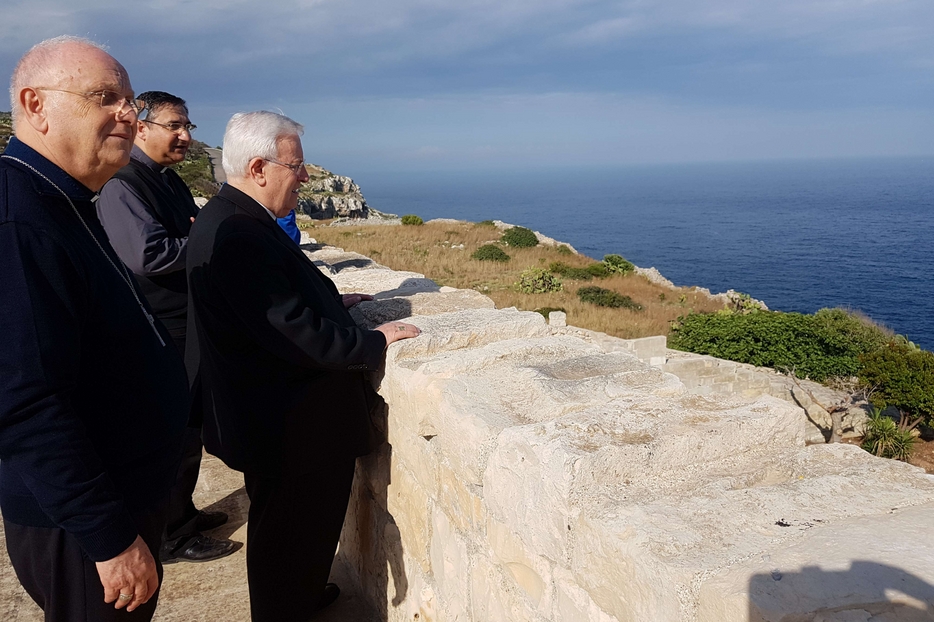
(433, 249)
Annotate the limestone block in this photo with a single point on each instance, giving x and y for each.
(338, 260)
(388, 307)
(413, 598)
(463, 500)
(383, 282)
(418, 454)
(573, 603)
(557, 318)
(467, 329)
(411, 508)
(450, 565)
(486, 593)
(830, 574)
(526, 473)
(749, 506)
(532, 573)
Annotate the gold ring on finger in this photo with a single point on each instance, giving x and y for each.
(125, 597)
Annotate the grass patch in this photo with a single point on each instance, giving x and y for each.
(451, 267)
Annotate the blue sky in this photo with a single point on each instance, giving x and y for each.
(476, 84)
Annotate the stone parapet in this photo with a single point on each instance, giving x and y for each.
(539, 472)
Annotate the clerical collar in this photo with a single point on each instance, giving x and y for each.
(140, 156)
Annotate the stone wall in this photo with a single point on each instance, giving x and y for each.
(538, 472)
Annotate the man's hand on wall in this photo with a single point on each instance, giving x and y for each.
(394, 331)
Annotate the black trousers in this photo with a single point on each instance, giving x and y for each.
(61, 579)
(182, 513)
(294, 525)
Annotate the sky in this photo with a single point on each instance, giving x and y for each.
(515, 84)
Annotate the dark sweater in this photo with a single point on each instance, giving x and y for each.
(146, 210)
(92, 406)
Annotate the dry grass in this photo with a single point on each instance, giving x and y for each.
(427, 249)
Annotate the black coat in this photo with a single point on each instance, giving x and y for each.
(280, 359)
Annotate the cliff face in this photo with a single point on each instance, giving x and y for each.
(327, 195)
(6, 130)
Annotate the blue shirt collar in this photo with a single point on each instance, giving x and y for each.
(71, 186)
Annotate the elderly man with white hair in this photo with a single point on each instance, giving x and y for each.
(282, 365)
(93, 396)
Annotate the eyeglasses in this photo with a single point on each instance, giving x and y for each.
(295, 168)
(108, 100)
(176, 128)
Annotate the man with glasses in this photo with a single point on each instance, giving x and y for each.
(282, 362)
(147, 211)
(93, 396)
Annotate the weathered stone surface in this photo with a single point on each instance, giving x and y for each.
(546, 473)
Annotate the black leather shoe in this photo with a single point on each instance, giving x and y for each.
(331, 592)
(206, 521)
(196, 548)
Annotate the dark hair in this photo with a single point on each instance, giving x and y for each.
(157, 100)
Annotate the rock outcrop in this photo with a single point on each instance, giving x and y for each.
(534, 473)
(327, 195)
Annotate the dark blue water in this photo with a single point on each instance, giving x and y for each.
(799, 235)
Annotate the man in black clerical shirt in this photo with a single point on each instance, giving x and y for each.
(93, 395)
(147, 211)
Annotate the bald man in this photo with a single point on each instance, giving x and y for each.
(93, 395)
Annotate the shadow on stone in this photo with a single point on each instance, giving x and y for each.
(867, 591)
(353, 263)
(370, 314)
(371, 552)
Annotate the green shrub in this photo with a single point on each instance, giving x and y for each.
(546, 310)
(606, 298)
(412, 219)
(520, 237)
(570, 272)
(820, 346)
(490, 252)
(598, 269)
(537, 281)
(564, 249)
(883, 437)
(903, 377)
(617, 265)
(486, 223)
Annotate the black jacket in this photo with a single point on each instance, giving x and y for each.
(281, 359)
(92, 407)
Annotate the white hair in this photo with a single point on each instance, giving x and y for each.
(38, 64)
(255, 135)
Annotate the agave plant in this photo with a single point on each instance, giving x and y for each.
(882, 436)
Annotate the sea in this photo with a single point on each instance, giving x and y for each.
(799, 235)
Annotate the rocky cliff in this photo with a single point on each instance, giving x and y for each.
(6, 129)
(327, 195)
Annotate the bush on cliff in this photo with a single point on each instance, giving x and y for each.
(603, 297)
(820, 346)
(537, 281)
(412, 219)
(520, 237)
(617, 265)
(570, 272)
(490, 252)
(903, 376)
